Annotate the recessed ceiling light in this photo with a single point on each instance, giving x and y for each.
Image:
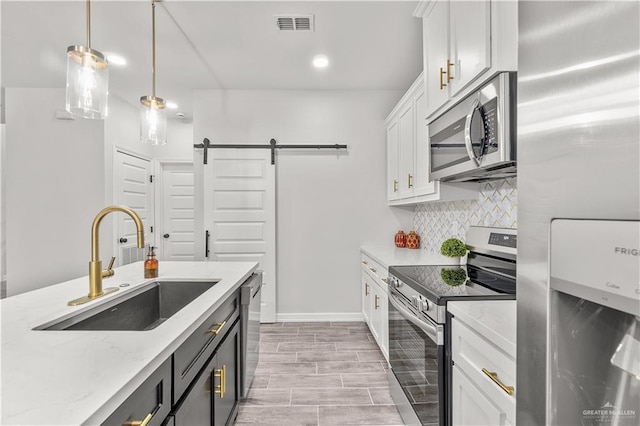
(114, 59)
(171, 105)
(320, 61)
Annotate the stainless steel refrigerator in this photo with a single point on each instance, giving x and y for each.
(578, 158)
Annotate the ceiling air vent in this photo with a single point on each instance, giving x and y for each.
(294, 22)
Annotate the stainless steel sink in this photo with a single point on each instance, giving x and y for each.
(142, 309)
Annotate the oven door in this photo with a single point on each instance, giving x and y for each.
(416, 355)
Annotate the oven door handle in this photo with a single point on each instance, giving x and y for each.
(430, 328)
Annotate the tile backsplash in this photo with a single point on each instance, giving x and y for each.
(496, 206)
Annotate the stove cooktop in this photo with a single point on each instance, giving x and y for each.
(442, 283)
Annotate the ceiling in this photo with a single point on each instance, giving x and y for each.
(216, 45)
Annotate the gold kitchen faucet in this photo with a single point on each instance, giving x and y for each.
(95, 266)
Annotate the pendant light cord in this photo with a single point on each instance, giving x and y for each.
(88, 24)
(153, 48)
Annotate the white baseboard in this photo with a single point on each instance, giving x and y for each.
(321, 316)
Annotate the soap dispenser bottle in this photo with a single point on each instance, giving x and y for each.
(151, 264)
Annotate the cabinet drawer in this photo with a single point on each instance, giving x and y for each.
(152, 398)
(373, 268)
(194, 352)
(472, 353)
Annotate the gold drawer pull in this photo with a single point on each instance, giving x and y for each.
(221, 389)
(366, 289)
(377, 300)
(385, 280)
(409, 184)
(374, 270)
(395, 185)
(143, 422)
(219, 329)
(494, 376)
(365, 262)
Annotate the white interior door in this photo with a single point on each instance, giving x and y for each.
(133, 189)
(176, 224)
(240, 213)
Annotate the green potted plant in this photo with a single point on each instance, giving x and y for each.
(453, 247)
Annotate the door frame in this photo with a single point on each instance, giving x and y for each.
(158, 165)
(115, 179)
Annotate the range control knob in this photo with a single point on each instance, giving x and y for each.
(397, 283)
(423, 305)
(414, 301)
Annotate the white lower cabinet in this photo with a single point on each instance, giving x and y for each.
(471, 406)
(375, 302)
(366, 297)
(483, 379)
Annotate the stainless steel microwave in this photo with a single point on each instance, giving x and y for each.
(476, 139)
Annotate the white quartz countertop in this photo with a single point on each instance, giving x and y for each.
(393, 256)
(81, 377)
(494, 319)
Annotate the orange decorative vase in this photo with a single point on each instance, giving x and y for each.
(401, 240)
(413, 240)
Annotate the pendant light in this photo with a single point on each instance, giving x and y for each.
(87, 79)
(153, 111)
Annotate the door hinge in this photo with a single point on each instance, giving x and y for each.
(152, 229)
(151, 178)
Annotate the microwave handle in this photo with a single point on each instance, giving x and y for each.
(468, 143)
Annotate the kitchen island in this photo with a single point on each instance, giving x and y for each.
(81, 377)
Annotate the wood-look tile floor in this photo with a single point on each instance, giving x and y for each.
(319, 373)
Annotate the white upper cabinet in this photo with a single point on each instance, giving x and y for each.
(469, 44)
(435, 33)
(465, 43)
(392, 161)
(408, 155)
(406, 123)
(422, 185)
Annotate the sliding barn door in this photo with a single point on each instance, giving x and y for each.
(240, 213)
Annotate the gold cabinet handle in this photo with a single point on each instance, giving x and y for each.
(385, 280)
(374, 270)
(143, 422)
(442, 83)
(365, 262)
(409, 182)
(395, 185)
(377, 300)
(494, 377)
(366, 289)
(449, 65)
(221, 389)
(217, 331)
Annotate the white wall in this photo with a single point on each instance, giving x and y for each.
(3, 251)
(328, 205)
(179, 141)
(55, 182)
(2, 156)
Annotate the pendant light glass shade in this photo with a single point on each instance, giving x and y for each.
(153, 110)
(153, 120)
(87, 82)
(87, 78)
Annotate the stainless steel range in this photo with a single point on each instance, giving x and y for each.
(419, 341)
